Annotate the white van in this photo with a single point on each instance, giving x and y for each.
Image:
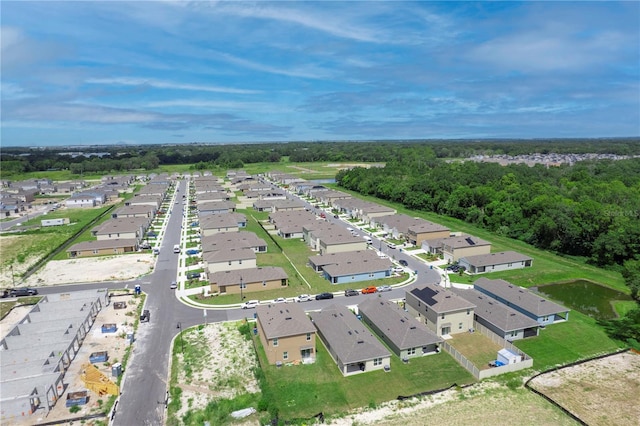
(367, 239)
(176, 248)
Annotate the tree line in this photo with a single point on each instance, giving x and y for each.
(123, 158)
(591, 209)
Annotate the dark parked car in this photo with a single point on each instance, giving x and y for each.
(351, 292)
(322, 296)
(18, 292)
(403, 262)
(145, 316)
(191, 252)
(192, 275)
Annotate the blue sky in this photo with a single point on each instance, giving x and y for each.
(91, 72)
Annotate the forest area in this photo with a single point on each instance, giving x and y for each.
(590, 209)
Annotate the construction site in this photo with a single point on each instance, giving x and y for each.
(62, 358)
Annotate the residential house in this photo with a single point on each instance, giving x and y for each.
(226, 260)
(403, 334)
(443, 311)
(503, 321)
(80, 201)
(453, 248)
(230, 222)
(135, 211)
(227, 240)
(216, 207)
(103, 247)
(248, 280)
(349, 342)
(544, 311)
(286, 333)
(352, 267)
(122, 228)
(424, 230)
(492, 262)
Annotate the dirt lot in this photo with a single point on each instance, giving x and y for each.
(106, 268)
(114, 343)
(600, 392)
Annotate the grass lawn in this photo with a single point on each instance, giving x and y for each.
(476, 347)
(5, 307)
(621, 307)
(304, 390)
(562, 343)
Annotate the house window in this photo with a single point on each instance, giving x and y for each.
(264, 283)
(95, 251)
(377, 361)
(285, 355)
(468, 311)
(243, 285)
(509, 265)
(308, 336)
(275, 342)
(411, 351)
(229, 262)
(240, 262)
(459, 326)
(514, 333)
(442, 316)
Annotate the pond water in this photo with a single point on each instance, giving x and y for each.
(585, 296)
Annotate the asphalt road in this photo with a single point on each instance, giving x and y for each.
(144, 388)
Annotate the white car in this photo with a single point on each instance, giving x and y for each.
(279, 300)
(384, 288)
(250, 304)
(303, 298)
(173, 285)
(398, 269)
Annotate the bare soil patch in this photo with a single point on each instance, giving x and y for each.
(218, 365)
(95, 269)
(599, 392)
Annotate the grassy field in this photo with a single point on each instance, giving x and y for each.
(24, 249)
(562, 343)
(6, 307)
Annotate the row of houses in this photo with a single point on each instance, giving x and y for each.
(229, 253)
(431, 313)
(470, 252)
(288, 335)
(128, 225)
(509, 311)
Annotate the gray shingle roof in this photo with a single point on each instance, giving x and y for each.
(499, 258)
(463, 241)
(104, 244)
(347, 337)
(521, 297)
(440, 299)
(348, 267)
(229, 255)
(283, 320)
(228, 240)
(497, 313)
(404, 331)
(249, 275)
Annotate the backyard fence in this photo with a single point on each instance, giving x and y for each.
(526, 362)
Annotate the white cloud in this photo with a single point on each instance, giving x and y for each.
(161, 84)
